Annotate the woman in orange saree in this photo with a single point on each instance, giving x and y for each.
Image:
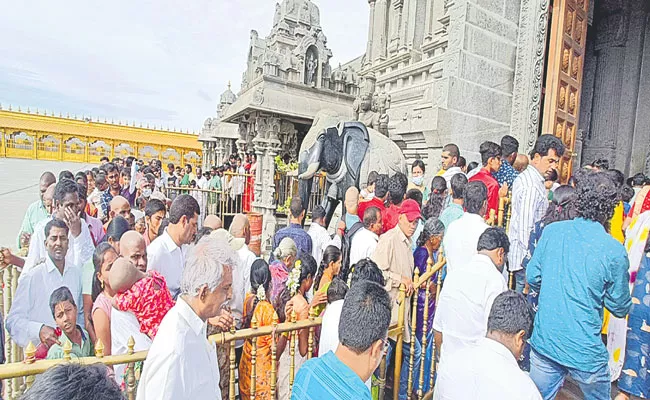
(256, 304)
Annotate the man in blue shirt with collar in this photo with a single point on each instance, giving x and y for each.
(363, 335)
(295, 230)
(578, 270)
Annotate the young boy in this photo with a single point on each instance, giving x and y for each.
(64, 311)
(369, 192)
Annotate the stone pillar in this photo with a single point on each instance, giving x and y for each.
(204, 156)
(396, 26)
(371, 32)
(218, 156)
(403, 25)
(529, 67)
(267, 146)
(428, 23)
(379, 41)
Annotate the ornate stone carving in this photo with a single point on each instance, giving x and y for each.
(258, 96)
(531, 42)
(371, 110)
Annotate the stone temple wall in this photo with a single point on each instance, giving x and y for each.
(479, 73)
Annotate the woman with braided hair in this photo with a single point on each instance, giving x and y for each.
(329, 268)
(437, 198)
(257, 304)
(301, 279)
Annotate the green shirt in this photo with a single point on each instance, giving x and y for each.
(450, 214)
(36, 212)
(215, 183)
(85, 350)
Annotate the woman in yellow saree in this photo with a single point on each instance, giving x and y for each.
(256, 304)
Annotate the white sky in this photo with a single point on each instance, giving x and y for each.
(159, 62)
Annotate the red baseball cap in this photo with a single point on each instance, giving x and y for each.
(411, 209)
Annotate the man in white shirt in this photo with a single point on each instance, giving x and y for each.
(462, 235)
(488, 369)
(320, 239)
(530, 201)
(364, 242)
(167, 252)
(181, 363)
(66, 208)
(467, 295)
(30, 318)
(449, 159)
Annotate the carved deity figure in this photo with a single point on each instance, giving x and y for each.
(372, 111)
(311, 69)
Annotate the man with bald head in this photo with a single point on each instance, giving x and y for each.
(48, 199)
(521, 163)
(134, 249)
(213, 222)
(36, 212)
(118, 206)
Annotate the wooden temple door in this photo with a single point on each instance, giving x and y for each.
(567, 41)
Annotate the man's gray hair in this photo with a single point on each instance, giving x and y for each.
(204, 265)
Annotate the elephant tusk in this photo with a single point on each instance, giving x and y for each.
(311, 171)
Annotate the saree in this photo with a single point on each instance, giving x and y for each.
(301, 308)
(264, 314)
(618, 332)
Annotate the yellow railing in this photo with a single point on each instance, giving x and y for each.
(46, 137)
(20, 371)
(286, 187)
(502, 219)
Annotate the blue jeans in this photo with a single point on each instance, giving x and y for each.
(520, 280)
(549, 377)
(404, 374)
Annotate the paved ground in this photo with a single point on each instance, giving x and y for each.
(19, 188)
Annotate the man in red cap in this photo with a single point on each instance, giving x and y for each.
(394, 257)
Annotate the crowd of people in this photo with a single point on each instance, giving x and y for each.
(110, 257)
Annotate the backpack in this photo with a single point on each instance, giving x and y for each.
(346, 243)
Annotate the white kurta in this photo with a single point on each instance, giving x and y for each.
(484, 371)
(320, 239)
(124, 325)
(364, 243)
(30, 309)
(167, 258)
(461, 239)
(181, 363)
(465, 303)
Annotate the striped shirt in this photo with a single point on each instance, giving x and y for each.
(529, 204)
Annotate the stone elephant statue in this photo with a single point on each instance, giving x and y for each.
(346, 152)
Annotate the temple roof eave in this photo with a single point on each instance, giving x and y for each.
(222, 130)
(295, 100)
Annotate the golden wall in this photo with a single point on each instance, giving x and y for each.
(43, 137)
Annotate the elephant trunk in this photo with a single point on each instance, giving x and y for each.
(310, 161)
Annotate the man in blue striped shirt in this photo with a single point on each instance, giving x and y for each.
(530, 201)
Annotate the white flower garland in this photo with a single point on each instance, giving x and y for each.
(293, 282)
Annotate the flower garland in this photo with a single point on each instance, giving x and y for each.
(261, 293)
(293, 282)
